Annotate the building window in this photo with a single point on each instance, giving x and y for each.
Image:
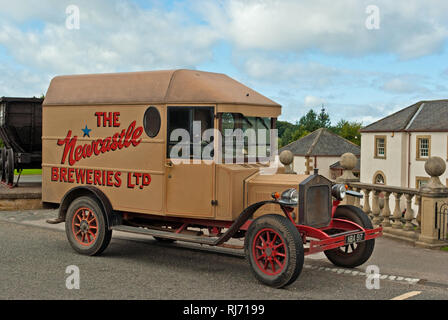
(380, 147)
(421, 181)
(423, 147)
(379, 178)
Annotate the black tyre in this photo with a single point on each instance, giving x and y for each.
(274, 249)
(9, 166)
(2, 164)
(353, 255)
(86, 228)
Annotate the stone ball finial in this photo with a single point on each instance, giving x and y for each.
(286, 157)
(348, 161)
(435, 166)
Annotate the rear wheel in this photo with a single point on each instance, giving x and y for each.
(274, 249)
(352, 255)
(9, 166)
(2, 164)
(85, 227)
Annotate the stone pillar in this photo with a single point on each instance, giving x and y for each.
(348, 163)
(433, 195)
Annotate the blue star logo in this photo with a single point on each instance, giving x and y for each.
(86, 131)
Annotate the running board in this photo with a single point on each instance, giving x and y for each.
(212, 241)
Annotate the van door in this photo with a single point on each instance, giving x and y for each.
(189, 166)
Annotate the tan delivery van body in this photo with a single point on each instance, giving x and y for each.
(112, 159)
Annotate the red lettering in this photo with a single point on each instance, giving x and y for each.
(128, 137)
(70, 175)
(110, 175)
(137, 133)
(80, 175)
(120, 143)
(146, 179)
(107, 119)
(54, 174)
(116, 115)
(63, 176)
(130, 185)
(117, 179)
(89, 176)
(75, 153)
(78, 153)
(69, 146)
(97, 178)
(98, 118)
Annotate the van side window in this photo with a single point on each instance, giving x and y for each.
(152, 122)
(189, 141)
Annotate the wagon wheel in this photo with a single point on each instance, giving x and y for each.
(9, 167)
(2, 164)
(275, 251)
(86, 228)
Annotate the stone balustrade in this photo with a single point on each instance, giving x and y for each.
(384, 205)
(405, 213)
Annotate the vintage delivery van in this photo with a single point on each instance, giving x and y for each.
(143, 152)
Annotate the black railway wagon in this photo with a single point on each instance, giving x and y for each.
(21, 133)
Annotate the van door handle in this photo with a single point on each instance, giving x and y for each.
(169, 164)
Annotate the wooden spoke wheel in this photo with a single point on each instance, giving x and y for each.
(86, 228)
(274, 249)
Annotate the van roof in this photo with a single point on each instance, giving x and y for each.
(155, 87)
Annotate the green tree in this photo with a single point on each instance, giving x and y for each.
(312, 121)
(324, 119)
(349, 130)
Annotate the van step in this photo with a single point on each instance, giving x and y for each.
(168, 235)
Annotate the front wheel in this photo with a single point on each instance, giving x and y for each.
(86, 228)
(274, 249)
(355, 254)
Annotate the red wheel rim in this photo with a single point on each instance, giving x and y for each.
(269, 251)
(85, 226)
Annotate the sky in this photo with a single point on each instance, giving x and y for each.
(361, 60)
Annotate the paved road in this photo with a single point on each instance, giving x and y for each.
(34, 257)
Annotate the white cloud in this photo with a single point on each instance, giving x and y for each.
(113, 36)
(400, 85)
(313, 102)
(407, 28)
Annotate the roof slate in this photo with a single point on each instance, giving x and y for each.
(322, 142)
(421, 116)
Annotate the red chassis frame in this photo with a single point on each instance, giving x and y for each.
(319, 239)
(326, 241)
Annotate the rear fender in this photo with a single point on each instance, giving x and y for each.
(93, 192)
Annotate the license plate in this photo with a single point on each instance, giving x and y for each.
(354, 238)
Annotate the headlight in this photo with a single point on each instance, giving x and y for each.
(290, 195)
(338, 191)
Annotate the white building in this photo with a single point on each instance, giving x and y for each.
(395, 148)
(321, 149)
